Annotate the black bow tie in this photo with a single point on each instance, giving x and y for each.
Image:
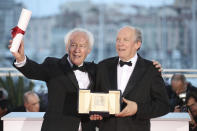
(81, 68)
(122, 63)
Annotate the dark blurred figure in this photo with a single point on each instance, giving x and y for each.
(31, 103)
(4, 105)
(178, 91)
(191, 101)
(43, 101)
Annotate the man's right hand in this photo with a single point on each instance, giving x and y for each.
(96, 117)
(20, 55)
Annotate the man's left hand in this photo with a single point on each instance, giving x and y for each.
(129, 110)
(157, 65)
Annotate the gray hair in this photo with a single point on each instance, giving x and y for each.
(138, 35)
(88, 33)
(27, 94)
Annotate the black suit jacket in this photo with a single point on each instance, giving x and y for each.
(62, 84)
(145, 87)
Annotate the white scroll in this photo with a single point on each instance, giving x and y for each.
(21, 27)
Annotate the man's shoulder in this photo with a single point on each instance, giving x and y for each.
(148, 65)
(146, 61)
(108, 60)
(90, 64)
(52, 59)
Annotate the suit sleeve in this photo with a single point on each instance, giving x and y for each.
(33, 70)
(159, 103)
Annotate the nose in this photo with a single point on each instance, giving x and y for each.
(77, 49)
(120, 43)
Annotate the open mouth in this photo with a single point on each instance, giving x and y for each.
(77, 56)
(121, 49)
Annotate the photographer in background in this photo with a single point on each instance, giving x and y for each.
(177, 92)
(191, 101)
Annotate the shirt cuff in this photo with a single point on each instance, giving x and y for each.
(20, 64)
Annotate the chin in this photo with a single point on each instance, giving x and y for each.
(77, 63)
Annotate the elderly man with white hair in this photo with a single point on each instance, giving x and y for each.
(64, 77)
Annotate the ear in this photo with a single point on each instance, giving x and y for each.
(25, 105)
(89, 50)
(67, 48)
(138, 45)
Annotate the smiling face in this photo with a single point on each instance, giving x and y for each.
(78, 47)
(126, 44)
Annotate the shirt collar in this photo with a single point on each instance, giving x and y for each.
(133, 59)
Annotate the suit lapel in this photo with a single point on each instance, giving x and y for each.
(66, 68)
(137, 74)
(113, 73)
(90, 76)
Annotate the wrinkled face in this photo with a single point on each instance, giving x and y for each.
(193, 105)
(33, 104)
(178, 86)
(78, 48)
(126, 45)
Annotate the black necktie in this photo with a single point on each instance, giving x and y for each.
(122, 63)
(81, 68)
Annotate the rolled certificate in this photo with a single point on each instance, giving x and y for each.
(19, 31)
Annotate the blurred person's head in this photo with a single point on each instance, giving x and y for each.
(191, 101)
(79, 43)
(31, 101)
(128, 42)
(3, 94)
(178, 83)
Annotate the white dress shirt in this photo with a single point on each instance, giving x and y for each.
(83, 81)
(124, 73)
(82, 77)
(20, 64)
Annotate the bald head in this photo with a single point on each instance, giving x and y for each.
(178, 83)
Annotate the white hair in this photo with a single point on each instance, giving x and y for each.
(88, 33)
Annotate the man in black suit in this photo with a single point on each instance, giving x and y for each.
(64, 77)
(142, 85)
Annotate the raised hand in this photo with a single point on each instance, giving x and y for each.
(20, 55)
